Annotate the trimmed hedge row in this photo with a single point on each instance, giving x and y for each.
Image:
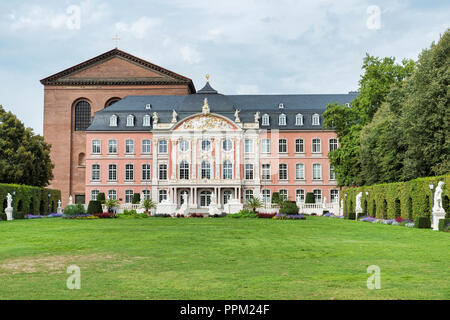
(410, 200)
(28, 200)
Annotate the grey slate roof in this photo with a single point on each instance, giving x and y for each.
(187, 105)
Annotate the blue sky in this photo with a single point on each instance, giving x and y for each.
(257, 46)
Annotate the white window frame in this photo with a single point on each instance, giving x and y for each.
(128, 196)
(299, 119)
(113, 121)
(146, 172)
(300, 195)
(163, 173)
(112, 172)
(283, 144)
(163, 146)
(94, 194)
(248, 146)
(284, 170)
(302, 175)
(316, 119)
(183, 170)
(96, 144)
(329, 144)
(249, 171)
(146, 144)
(146, 121)
(312, 145)
(95, 173)
(314, 172)
(112, 143)
(265, 168)
(298, 144)
(318, 199)
(130, 120)
(265, 120)
(282, 120)
(129, 146)
(227, 170)
(265, 146)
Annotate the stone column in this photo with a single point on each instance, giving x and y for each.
(174, 159)
(238, 158)
(218, 152)
(155, 171)
(194, 158)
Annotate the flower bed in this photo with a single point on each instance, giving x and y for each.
(281, 216)
(80, 216)
(106, 215)
(266, 215)
(38, 216)
(399, 221)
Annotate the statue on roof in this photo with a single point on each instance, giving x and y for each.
(205, 109)
(155, 117)
(257, 116)
(174, 116)
(236, 115)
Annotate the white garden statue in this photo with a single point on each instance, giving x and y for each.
(358, 208)
(184, 209)
(59, 210)
(70, 200)
(9, 210)
(213, 209)
(438, 211)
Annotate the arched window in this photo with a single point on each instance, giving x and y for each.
(130, 120)
(282, 120)
(299, 119)
(111, 101)
(82, 115)
(227, 170)
(316, 120)
(184, 170)
(282, 146)
(333, 144)
(206, 170)
(81, 159)
(113, 121)
(265, 120)
(146, 121)
(299, 146)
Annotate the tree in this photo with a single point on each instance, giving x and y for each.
(111, 203)
(409, 135)
(375, 84)
(253, 203)
(136, 198)
(425, 118)
(24, 156)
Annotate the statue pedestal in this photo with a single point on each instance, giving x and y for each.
(358, 211)
(436, 216)
(9, 213)
(233, 206)
(166, 208)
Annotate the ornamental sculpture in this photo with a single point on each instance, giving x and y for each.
(205, 109)
(206, 122)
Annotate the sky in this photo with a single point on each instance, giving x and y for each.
(247, 46)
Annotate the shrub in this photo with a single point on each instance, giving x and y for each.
(443, 223)
(276, 197)
(195, 215)
(73, 210)
(94, 206)
(129, 212)
(310, 197)
(351, 216)
(423, 223)
(136, 198)
(289, 207)
(101, 197)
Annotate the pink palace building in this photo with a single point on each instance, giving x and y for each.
(207, 143)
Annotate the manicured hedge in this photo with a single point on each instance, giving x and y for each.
(28, 200)
(410, 200)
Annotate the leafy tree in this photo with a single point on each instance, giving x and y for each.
(375, 84)
(409, 135)
(24, 156)
(310, 197)
(101, 197)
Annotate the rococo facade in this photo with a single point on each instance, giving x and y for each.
(207, 144)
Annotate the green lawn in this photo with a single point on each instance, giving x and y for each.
(223, 258)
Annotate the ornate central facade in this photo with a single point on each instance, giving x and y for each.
(207, 144)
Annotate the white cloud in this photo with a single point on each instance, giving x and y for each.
(140, 28)
(248, 89)
(190, 55)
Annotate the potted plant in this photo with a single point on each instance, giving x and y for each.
(148, 204)
(111, 203)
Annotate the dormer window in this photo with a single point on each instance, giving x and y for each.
(130, 120)
(113, 121)
(265, 120)
(146, 121)
(299, 119)
(281, 106)
(148, 106)
(282, 120)
(316, 120)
